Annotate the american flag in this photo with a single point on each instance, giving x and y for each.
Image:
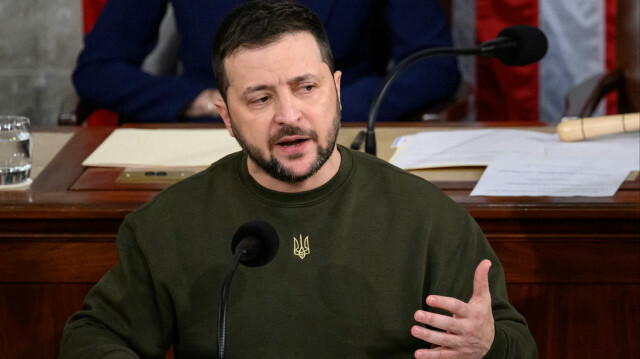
(581, 35)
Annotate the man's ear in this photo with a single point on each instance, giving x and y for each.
(336, 79)
(224, 113)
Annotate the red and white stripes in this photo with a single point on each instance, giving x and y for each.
(581, 36)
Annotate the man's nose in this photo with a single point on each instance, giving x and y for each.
(287, 109)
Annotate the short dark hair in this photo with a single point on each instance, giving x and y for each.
(257, 23)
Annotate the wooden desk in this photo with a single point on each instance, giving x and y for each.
(572, 264)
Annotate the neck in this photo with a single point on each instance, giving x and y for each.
(324, 174)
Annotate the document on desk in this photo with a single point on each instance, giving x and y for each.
(459, 148)
(526, 163)
(153, 148)
(593, 168)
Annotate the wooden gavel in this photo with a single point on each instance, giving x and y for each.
(583, 128)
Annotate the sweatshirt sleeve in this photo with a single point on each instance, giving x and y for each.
(124, 315)
(454, 258)
(108, 72)
(414, 25)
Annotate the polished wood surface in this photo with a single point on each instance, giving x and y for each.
(572, 264)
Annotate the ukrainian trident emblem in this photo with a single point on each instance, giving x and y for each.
(301, 247)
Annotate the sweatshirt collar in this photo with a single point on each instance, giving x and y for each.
(297, 199)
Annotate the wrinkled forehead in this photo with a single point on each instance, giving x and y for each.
(263, 43)
(289, 55)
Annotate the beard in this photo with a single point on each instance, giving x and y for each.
(276, 169)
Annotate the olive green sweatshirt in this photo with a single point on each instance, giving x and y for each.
(357, 258)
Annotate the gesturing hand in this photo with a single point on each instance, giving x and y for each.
(469, 333)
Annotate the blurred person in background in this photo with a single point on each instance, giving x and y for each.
(367, 36)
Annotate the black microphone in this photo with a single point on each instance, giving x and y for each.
(257, 242)
(254, 244)
(516, 45)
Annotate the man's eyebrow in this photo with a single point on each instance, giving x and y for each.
(293, 81)
(301, 78)
(256, 88)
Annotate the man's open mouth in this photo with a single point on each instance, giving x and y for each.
(292, 142)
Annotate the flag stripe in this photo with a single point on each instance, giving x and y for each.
(582, 44)
(505, 93)
(575, 30)
(611, 55)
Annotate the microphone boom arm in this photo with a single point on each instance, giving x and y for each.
(517, 45)
(224, 296)
(370, 139)
(254, 244)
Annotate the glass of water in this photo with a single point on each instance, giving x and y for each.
(15, 150)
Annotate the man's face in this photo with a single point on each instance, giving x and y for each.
(283, 106)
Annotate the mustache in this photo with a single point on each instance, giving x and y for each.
(291, 131)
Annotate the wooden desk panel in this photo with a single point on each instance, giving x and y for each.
(572, 264)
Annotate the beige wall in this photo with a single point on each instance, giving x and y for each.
(39, 42)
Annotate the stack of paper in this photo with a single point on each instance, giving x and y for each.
(153, 148)
(526, 163)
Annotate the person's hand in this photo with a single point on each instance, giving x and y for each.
(203, 105)
(469, 333)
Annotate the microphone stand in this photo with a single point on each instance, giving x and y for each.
(254, 245)
(509, 47)
(224, 296)
(370, 139)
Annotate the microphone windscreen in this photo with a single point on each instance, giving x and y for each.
(531, 46)
(266, 238)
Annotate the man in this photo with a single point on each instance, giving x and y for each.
(377, 240)
(366, 35)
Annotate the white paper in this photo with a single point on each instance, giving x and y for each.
(152, 148)
(623, 148)
(592, 168)
(465, 147)
(558, 176)
(526, 163)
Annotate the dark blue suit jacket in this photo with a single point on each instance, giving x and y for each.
(108, 70)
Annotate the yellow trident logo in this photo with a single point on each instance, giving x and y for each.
(301, 248)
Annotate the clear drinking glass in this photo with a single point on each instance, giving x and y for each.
(15, 150)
